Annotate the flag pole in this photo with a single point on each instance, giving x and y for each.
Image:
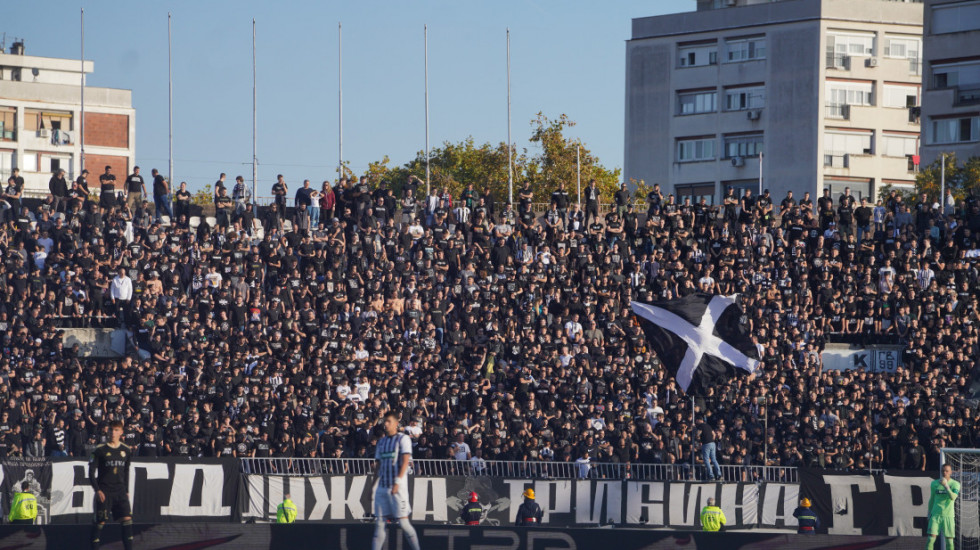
(170, 97)
(760, 173)
(510, 163)
(692, 437)
(340, 101)
(254, 124)
(578, 171)
(81, 123)
(942, 186)
(425, 39)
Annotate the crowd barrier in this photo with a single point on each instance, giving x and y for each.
(180, 489)
(319, 536)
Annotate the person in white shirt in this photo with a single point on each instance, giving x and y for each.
(343, 390)
(413, 430)
(461, 450)
(121, 292)
(583, 465)
(363, 388)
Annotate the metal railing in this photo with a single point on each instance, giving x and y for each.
(842, 111)
(838, 61)
(520, 469)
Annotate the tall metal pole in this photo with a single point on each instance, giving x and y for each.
(340, 101)
(425, 37)
(81, 123)
(510, 162)
(254, 122)
(693, 435)
(942, 186)
(170, 99)
(760, 173)
(578, 171)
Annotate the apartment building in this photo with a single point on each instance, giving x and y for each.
(822, 93)
(40, 110)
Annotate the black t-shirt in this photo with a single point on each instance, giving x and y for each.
(108, 182)
(134, 183)
(159, 185)
(108, 468)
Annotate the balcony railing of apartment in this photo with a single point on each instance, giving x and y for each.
(839, 111)
(835, 160)
(839, 61)
(967, 95)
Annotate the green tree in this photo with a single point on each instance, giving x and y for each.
(962, 180)
(456, 165)
(557, 161)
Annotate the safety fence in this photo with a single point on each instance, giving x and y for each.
(522, 469)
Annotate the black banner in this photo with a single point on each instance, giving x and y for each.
(162, 490)
(564, 502)
(892, 504)
(313, 536)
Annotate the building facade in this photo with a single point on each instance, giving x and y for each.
(40, 110)
(824, 89)
(951, 98)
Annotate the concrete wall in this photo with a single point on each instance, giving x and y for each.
(97, 342)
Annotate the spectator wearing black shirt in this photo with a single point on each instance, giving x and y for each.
(107, 194)
(161, 195)
(58, 187)
(135, 190)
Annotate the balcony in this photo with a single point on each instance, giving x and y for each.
(967, 95)
(840, 112)
(839, 61)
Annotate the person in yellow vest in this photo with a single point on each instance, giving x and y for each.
(23, 509)
(286, 512)
(712, 518)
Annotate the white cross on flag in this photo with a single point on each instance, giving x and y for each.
(699, 339)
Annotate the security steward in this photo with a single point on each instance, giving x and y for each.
(529, 513)
(472, 513)
(807, 518)
(712, 517)
(23, 509)
(286, 512)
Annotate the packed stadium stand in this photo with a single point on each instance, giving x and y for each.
(498, 332)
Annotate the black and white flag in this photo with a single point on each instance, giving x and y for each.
(699, 338)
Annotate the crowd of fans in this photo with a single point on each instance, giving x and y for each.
(498, 331)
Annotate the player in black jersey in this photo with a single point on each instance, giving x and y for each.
(108, 472)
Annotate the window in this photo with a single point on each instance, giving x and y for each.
(899, 145)
(689, 103)
(850, 93)
(846, 44)
(695, 192)
(8, 123)
(693, 150)
(955, 130)
(30, 162)
(859, 189)
(746, 49)
(840, 143)
(739, 186)
(743, 145)
(964, 16)
(737, 99)
(46, 120)
(902, 47)
(964, 75)
(697, 55)
(900, 97)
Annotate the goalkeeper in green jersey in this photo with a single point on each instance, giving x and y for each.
(942, 514)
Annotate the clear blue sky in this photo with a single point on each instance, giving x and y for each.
(566, 57)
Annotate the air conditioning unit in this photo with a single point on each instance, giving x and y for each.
(754, 114)
(731, 3)
(44, 133)
(872, 62)
(738, 161)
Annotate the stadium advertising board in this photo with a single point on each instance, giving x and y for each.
(162, 490)
(586, 502)
(892, 504)
(871, 359)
